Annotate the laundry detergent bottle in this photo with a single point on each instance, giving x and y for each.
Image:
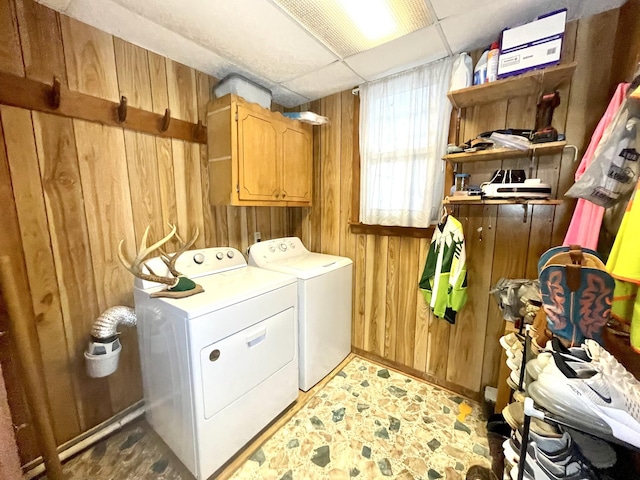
(480, 72)
(492, 62)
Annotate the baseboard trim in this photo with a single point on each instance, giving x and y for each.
(88, 438)
(417, 374)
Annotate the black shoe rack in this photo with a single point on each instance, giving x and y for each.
(531, 410)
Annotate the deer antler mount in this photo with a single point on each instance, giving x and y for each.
(177, 284)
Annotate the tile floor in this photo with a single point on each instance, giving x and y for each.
(366, 423)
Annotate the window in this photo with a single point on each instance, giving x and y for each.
(404, 126)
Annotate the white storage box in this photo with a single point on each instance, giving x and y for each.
(250, 91)
(532, 46)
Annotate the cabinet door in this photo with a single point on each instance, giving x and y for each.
(296, 164)
(258, 144)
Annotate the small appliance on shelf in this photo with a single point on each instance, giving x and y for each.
(527, 188)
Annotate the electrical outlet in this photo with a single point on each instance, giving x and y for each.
(256, 237)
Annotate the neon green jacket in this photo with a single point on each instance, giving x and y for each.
(444, 279)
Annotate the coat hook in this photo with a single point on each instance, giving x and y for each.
(197, 130)
(166, 120)
(122, 110)
(54, 94)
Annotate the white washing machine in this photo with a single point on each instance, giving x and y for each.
(324, 302)
(218, 366)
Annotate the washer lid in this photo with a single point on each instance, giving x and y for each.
(307, 265)
(225, 289)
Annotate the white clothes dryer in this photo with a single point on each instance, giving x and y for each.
(218, 366)
(324, 302)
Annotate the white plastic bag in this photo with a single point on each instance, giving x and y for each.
(511, 141)
(614, 169)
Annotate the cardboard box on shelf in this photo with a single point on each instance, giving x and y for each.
(535, 45)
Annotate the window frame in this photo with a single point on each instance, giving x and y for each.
(355, 225)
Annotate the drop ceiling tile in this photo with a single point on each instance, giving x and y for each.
(258, 40)
(353, 26)
(286, 97)
(117, 20)
(478, 27)
(330, 79)
(446, 8)
(59, 5)
(586, 8)
(251, 33)
(415, 49)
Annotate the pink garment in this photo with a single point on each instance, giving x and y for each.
(584, 228)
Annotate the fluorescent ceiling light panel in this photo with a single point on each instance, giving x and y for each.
(372, 17)
(351, 26)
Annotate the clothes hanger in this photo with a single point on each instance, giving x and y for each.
(445, 214)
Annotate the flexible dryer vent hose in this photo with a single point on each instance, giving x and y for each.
(104, 328)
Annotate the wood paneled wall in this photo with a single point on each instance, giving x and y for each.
(627, 60)
(390, 320)
(71, 190)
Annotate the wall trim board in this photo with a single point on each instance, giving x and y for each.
(417, 374)
(34, 95)
(391, 231)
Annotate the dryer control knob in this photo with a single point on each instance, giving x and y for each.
(230, 254)
(282, 247)
(198, 258)
(272, 249)
(219, 255)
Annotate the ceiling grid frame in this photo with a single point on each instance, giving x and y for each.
(262, 41)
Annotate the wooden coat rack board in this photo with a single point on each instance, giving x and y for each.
(59, 100)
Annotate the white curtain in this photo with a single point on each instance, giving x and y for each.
(404, 127)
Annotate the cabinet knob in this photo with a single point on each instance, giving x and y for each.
(277, 195)
(284, 195)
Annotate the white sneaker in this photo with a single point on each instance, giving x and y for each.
(556, 397)
(510, 453)
(515, 378)
(598, 357)
(564, 465)
(514, 363)
(511, 340)
(602, 357)
(550, 446)
(617, 403)
(514, 353)
(570, 353)
(512, 386)
(533, 369)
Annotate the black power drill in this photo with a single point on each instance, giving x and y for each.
(544, 132)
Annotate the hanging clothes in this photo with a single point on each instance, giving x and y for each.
(444, 279)
(624, 267)
(584, 228)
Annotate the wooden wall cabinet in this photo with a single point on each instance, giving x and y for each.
(257, 157)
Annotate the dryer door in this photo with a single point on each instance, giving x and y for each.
(233, 366)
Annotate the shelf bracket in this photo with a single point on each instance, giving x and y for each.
(458, 122)
(532, 163)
